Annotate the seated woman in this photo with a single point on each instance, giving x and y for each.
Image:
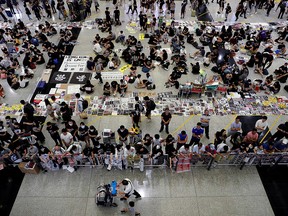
(28, 73)
(107, 89)
(23, 82)
(40, 59)
(195, 68)
(88, 87)
(133, 71)
(147, 66)
(114, 87)
(172, 80)
(267, 83)
(123, 86)
(138, 84)
(13, 81)
(274, 89)
(90, 64)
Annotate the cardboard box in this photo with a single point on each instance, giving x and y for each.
(34, 170)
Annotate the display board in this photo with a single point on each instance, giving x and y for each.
(74, 64)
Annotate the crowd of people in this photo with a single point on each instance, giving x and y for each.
(79, 144)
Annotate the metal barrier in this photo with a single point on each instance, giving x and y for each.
(183, 164)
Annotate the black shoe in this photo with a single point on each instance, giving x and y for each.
(167, 132)
(138, 196)
(207, 137)
(123, 198)
(160, 131)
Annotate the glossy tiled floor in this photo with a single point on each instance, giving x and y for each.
(219, 192)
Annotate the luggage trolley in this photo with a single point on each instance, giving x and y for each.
(105, 194)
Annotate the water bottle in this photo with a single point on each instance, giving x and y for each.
(114, 188)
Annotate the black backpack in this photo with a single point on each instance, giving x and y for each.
(84, 104)
(152, 105)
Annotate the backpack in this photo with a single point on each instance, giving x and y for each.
(84, 104)
(141, 107)
(152, 105)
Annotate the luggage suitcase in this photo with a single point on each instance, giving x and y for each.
(41, 86)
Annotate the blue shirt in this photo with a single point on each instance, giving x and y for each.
(197, 131)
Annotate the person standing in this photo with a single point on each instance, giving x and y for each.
(172, 9)
(165, 120)
(183, 9)
(135, 7)
(129, 189)
(66, 138)
(235, 129)
(149, 105)
(53, 131)
(129, 7)
(123, 134)
(205, 119)
(182, 139)
(197, 134)
(228, 10)
(244, 9)
(282, 6)
(261, 126)
(282, 131)
(107, 14)
(28, 109)
(239, 10)
(270, 4)
(117, 16)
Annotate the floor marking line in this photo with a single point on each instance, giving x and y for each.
(183, 124)
(272, 126)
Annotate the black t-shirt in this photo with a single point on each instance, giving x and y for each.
(123, 133)
(72, 128)
(53, 129)
(109, 148)
(98, 149)
(117, 13)
(166, 117)
(283, 127)
(87, 151)
(82, 131)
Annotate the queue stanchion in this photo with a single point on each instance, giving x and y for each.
(211, 161)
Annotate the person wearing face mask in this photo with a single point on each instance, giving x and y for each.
(83, 133)
(72, 128)
(66, 137)
(93, 135)
(123, 135)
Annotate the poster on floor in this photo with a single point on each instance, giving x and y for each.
(74, 64)
(183, 164)
(60, 77)
(80, 78)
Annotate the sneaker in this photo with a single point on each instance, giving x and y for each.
(138, 196)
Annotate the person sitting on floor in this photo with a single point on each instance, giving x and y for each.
(139, 83)
(88, 87)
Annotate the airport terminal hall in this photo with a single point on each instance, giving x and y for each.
(143, 107)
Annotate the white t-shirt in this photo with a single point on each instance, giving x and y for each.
(220, 147)
(198, 150)
(128, 189)
(56, 106)
(183, 150)
(111, 64)
(261, 124)
(97, 48)
(78, 149)
(66, 138)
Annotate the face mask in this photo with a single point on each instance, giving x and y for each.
(83, 126)
(71, 124)
(121, 130)
(8, 121)
(91, 129)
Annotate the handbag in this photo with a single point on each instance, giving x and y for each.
(32, 66)
(83, 115)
